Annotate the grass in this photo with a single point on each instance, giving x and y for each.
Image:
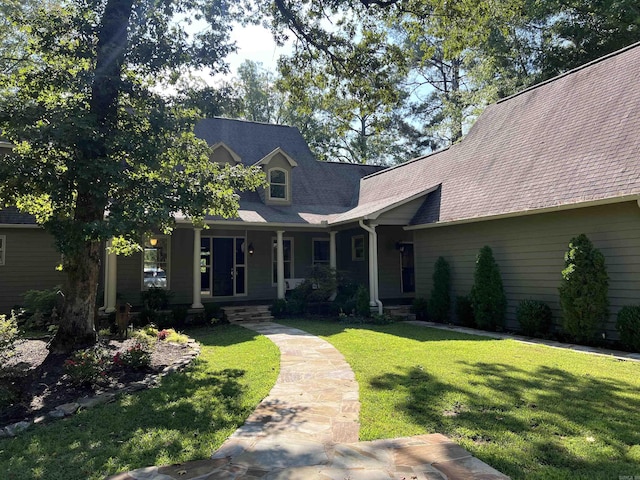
(186, 418)
(528, 410)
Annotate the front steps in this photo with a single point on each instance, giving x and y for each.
(400, 312)
(248, 313)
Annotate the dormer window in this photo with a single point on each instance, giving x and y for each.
(278, 184)
(277, 165)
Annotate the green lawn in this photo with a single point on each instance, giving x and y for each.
(530, 411)
(186, 418)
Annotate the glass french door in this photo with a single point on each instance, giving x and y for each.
(223, 266)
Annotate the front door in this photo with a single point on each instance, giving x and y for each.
(407, 268)
(222, 266)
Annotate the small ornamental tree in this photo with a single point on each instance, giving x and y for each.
(584, 289)
(487, 294)
(440, 301)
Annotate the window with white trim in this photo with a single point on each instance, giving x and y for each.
(278, 188)
(155, 262)
(320, 251)
(3, 248)
(357, 248)
(287, 247)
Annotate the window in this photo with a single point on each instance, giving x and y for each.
(155, 262)
(357, 248)
(320, 251)
(3, 248)
(287, 244)
(277, 184)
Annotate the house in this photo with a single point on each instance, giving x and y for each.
(538, 168)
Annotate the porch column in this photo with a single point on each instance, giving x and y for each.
(110, 279)
(376, 273)
(332, 250)
(197, 300)
(373, 270)
(280, 263)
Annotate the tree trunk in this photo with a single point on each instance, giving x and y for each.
(82, 261)
(77, 323)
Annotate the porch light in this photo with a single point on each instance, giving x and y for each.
(400, 246)
(251, 249)
(153, 241)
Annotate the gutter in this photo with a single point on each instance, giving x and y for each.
(373, 266)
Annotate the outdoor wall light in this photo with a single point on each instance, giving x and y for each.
(251, 249)
(153, 241)
(400, 246)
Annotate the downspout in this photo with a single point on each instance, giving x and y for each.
(373, 264)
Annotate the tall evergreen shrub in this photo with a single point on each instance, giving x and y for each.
(487, 294)
(584, 289)
(440, 301)
(628, 324)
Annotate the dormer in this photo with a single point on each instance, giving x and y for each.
(222, 154)
(277, 165)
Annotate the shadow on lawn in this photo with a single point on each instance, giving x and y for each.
(547, 423)
(189, 415)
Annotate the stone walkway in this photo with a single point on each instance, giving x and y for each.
(307, 429)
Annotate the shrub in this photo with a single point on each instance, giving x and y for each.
(155, 298)
(164, 319)
(487, 294)
(464, 311)
(146, 317)
(440, 301)
(362, 307)
(43, 301)
(147, 335)
(583, 289)
(171, 335)
(212, 310)
(179, 314)
(8, 336)
(628, 324)
(279, 308)
(136, 357)
(87, 367)
(534, 317)
(420, 307)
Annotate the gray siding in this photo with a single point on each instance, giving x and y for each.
(389, 262)
(30, 264)
(530, 252)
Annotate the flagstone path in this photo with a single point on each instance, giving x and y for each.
(307, 429)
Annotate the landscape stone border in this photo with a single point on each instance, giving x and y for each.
(191, 351)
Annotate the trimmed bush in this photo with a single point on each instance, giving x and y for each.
(534, 317)
(279, 308)
(440, 301)
(363, 309)
(464, 311)
(8, 336)
(212, 310)
(155, 298)
(584, 290)
(43, 301)
(487, 294)
(628, 324)
(419, 307)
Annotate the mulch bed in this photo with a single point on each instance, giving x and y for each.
(33, 383)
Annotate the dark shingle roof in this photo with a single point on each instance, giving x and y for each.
(569, 141)
(319, 189)
(12, 216)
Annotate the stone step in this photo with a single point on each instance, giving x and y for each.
(248, 313)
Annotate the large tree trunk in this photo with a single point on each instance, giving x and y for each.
(82, 263)
(77, 325)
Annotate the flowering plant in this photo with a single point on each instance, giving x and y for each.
(86, 367)
(163, 334)
(136, 357)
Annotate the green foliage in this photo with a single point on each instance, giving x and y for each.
(137, 357)
(8, 336)
(43, 301)
(155, 298)
(440, 300)
(420, 308)
(362, 307)
(628, 324)
(534, 317)
(464, 311)
(487, 294)
(584, 289)
(279, 308)
(179, 314)
(87, 367)
(212, 310)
